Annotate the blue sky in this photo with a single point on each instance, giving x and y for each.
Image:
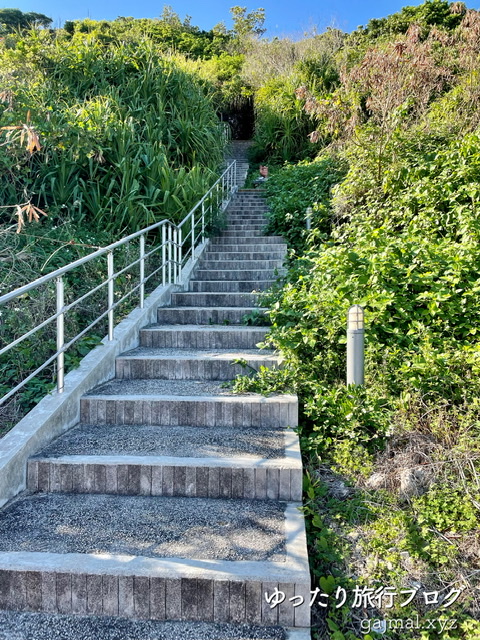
(284, 17)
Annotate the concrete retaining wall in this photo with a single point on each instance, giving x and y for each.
(58, 412)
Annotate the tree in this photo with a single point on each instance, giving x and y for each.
(169, 16)
(38, 19)
(14, 19)
(247, 24)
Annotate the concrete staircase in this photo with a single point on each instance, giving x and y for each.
(172, 508)
(238, 151)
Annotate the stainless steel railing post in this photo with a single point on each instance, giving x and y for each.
(110, 294)
(60, 335)
(142, 271)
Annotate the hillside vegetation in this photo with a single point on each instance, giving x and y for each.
(393, 485)
(99, 137)
(106, 126)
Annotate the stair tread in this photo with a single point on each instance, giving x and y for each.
(246, 309)
(46, 626)
(178, 442)
(214, 354)
(188, 388)
(145, 526)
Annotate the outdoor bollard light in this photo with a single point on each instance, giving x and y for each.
(309, 218)
(355, 345)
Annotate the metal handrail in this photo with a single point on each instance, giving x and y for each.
(177, 251)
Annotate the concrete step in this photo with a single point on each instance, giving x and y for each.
(186, 402)
(230, 286)
(244, 255)
(151, 527)
(216, 246)
(256, 240)
(203, 298)
(204, 315)
(238, 213)
(195, 364)
(255, 198)
(253, 233)
(239, 463)
(190, 445)
(235, 274)
(154, 557)
(246, 219)
(244, 264)
(46, 626)
(245, 226)
(240, 221)
(238, 208)
(192, 336)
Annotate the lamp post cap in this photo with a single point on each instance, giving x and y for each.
(356, 317)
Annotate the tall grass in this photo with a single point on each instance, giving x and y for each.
(126, 135)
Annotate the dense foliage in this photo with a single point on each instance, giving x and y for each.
(96, 139)
(116, 136)
(393, 492)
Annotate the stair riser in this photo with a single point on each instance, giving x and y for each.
(243, 248)
(250, 215)
(247, 255)
(210, 299)
(142, 597)
(247, 214)
(226, 286)
(240, 274)
(257, 240)
(249, 233)
(203, 316)
(239, 210)
(150, 369)
(245, 226)
(239, 221)
(240, 264)
(169, 480)
(201, 412)
(201, 339)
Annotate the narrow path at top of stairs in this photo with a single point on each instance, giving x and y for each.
(172, 508)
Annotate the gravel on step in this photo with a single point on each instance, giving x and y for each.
(164, 388)
(45, 626)
(153, 527)
(190, 442)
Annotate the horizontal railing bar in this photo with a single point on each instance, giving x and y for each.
(52, 358)
(73, 265)
(28, 378)
(129, 266)
(66, 308)
(127, 295)
(177, 263)
(83, 332)
(100, 252)
(150, 253)
(73, 304)
(155, 272)
(28, 334)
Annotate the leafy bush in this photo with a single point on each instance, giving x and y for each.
(294, 188)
